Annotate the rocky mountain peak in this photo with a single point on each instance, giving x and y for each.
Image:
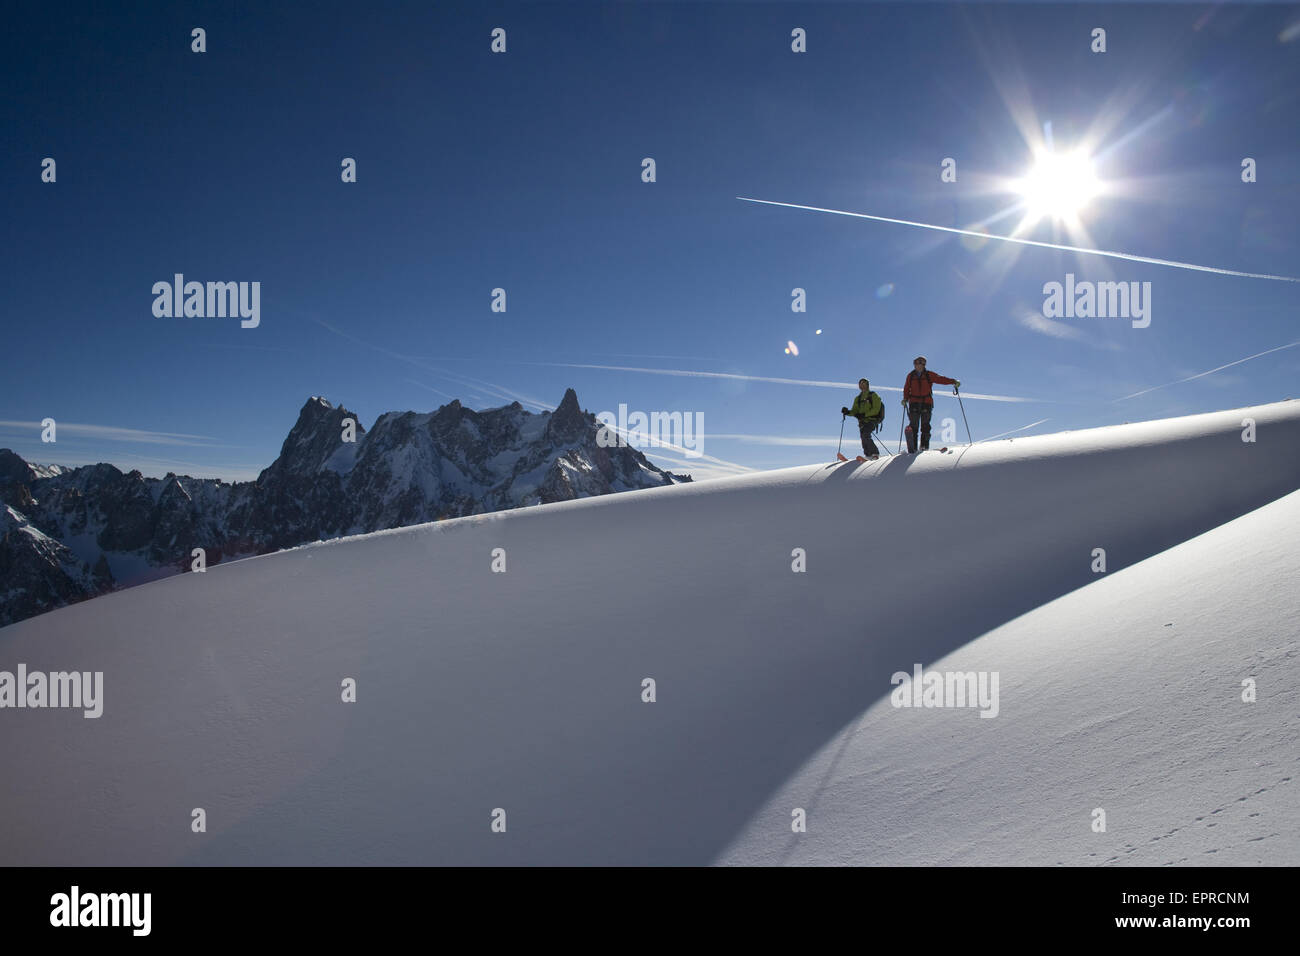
(315, 436)
(567, 422)
(13, 468)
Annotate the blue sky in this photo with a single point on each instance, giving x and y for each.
(522, 171)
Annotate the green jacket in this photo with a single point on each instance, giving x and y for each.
(868, 407)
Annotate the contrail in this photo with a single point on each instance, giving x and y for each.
(1210, 372)
(116, 433)
(640, 440)
(430, 388)
(780, 440)
(1014, 430)
(685, 373)
(492, 391)
(1032, 242)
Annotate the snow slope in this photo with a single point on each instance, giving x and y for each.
(1124, 695)
(522, 690)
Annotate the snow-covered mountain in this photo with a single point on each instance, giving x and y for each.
(501, 665)
(409, 468)
(37, 572)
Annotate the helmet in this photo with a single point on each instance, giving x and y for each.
(919, 358)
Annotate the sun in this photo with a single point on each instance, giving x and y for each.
(1058, 186)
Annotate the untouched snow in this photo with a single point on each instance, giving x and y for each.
(522, 691)
(1125, 695)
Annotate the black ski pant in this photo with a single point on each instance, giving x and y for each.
(918, 416)
(865, 427)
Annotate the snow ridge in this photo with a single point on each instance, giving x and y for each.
(770, 612)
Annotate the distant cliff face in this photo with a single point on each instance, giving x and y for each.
(69, 534)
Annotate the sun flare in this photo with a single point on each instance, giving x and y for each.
(1059, 185)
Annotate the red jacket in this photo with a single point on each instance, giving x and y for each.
(917, 388)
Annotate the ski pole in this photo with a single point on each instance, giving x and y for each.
(839, 448)
(963, 414)
(882, 443)
(900, 425)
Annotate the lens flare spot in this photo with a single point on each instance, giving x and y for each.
(885, 291)
(819, 331)
(791, 348)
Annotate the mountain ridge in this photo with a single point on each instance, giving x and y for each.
(104, 528)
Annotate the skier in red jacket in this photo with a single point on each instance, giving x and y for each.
(919, 401)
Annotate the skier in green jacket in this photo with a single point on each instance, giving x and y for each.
(869, 410)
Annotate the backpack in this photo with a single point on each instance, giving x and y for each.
(880, 419)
